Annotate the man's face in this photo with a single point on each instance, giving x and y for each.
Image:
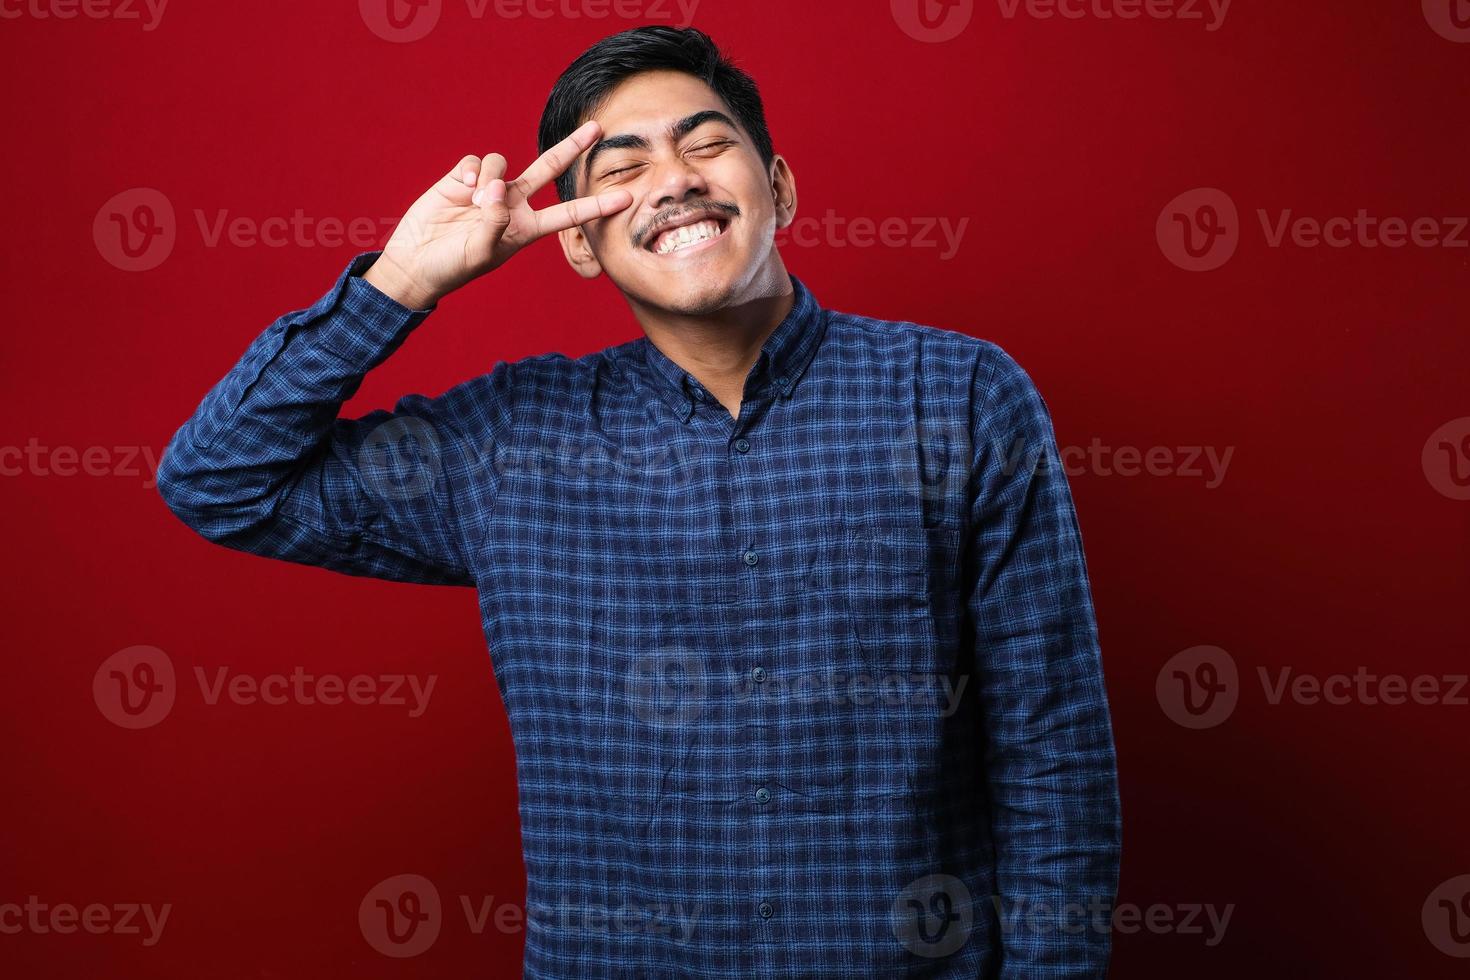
(672, 143)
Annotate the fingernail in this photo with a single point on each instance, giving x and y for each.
(469, 177)
(477, 195)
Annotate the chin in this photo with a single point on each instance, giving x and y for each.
(702, 294)
(691, 292)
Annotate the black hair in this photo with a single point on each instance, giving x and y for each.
(588, 81)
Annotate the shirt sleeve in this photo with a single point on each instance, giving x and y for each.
(1051, 769)
(265, 466)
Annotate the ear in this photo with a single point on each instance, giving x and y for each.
(783, 191)
(578, 250)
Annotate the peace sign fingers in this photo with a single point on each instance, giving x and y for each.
(571, 213)
(551, 164)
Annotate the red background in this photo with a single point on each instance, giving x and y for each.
(1326, 548)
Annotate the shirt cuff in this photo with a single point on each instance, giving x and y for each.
(359, 322)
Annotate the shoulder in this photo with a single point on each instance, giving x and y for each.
(937, 351)
(546, 376)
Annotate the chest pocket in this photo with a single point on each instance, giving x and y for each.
(885, 579)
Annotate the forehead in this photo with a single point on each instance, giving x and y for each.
(645, 104)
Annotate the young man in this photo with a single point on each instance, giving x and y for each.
(788, 606)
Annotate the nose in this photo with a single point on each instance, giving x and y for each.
(675, 181)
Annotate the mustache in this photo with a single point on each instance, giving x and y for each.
(715, 209)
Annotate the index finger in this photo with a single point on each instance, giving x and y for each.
(568, 214)
(549, 165)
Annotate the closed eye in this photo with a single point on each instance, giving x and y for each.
(715, 145)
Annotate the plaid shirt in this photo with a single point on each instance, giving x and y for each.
(815, 691)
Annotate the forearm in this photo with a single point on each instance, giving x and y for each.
(1051, 770)
(229, 467)
(1055, 815)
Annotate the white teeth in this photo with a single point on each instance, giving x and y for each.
(677, 238)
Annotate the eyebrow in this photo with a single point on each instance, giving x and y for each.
(632, 141)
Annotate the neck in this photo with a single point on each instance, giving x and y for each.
(720, 348)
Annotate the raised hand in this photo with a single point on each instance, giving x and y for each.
(472, 220)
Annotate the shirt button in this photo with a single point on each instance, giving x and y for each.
(765, 910)
(742, 445)
(763, 795)
(758, 674)
(750, 558)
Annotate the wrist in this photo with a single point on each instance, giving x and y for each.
(388, 278)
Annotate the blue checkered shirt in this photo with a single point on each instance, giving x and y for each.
(814, 691)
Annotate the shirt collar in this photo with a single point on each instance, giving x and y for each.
(783, 359)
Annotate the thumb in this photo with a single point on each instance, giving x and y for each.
(493, 210)
(486, 233)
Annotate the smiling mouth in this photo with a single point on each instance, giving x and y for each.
(674, 240)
